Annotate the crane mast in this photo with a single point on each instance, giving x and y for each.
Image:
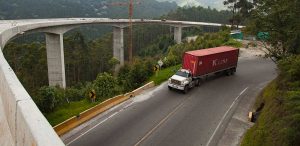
(130, 33)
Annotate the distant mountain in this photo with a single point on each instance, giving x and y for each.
(218, 4)
(27, 9)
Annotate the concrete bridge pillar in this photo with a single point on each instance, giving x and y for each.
(118, 45)
(178, 34)
(55, 60)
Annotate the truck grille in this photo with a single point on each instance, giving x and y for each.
(175, 82)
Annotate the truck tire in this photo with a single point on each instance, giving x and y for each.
(170, 88)
(186, 89)
(228, 72)
(233, 71)
(198, 82)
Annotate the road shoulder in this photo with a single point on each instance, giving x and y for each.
(239, 123)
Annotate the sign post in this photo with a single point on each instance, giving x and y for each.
(92, 95)
(156, 69)
(160, 63)
(158, 66)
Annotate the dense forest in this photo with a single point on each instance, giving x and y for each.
(199, 14)
(22, 9)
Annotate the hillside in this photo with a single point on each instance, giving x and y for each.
(199, 14)
(22, 9)
(278, 122)
(217, 4)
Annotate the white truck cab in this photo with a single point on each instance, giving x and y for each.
(182, 80)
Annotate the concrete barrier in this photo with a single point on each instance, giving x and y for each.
(75, 121)
(141, 89)
(21, 122)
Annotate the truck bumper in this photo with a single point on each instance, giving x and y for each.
(176, 86)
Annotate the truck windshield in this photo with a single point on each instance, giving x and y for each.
(183, 74)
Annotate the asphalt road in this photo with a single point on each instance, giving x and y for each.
(169, 118)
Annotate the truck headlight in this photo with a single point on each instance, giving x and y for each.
(182, 83)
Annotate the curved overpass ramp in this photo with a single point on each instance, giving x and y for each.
(21, 122)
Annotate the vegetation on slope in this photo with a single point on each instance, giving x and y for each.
(278, 123)
(22, 9)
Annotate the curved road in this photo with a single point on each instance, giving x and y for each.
(169, 118)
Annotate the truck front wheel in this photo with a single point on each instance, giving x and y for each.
(170, 88)
(186, 88)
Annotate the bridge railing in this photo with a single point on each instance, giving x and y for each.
(21, 122)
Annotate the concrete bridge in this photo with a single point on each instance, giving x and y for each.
(21, 123)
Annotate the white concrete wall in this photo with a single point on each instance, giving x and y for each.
(5, 135)
(21, 122)
(55, 60)
(178, 34)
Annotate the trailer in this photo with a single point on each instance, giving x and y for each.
(198, 64)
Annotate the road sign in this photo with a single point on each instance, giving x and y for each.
(92, 94)
(156, 68)
(160, 63)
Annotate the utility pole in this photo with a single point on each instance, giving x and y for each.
(130, 47)
(130, 33)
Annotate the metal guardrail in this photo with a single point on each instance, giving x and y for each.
(75, 121)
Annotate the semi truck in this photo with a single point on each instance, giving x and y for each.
(199, 64)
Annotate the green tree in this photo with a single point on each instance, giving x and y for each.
(240, 10)
(48, 98)
(105, 85)
(279, 18)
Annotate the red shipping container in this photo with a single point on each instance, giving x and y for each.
(205, 61)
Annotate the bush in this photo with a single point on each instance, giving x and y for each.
(290, 68)
(105, 85)
(133, 76)
(233, 43)
(278, 123)
(73, 94)
(48, 98)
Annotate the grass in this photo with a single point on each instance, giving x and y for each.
(67, 111)
(233, 43)
(279, 121)
(164, 74)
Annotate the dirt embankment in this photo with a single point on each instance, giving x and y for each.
(252, 49)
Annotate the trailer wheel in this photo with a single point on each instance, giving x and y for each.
(198, 82)
(228, 72)
(233, 71)
(186, 88)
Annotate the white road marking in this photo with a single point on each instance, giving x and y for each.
(128, 105)
(210, 139)
(161, 122)
(93, 128)
(101, 121)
